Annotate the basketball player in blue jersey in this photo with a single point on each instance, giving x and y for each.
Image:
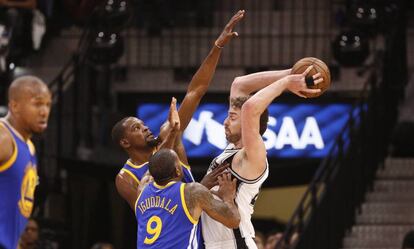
(29, 107)
(167, 210)
(244, 126)
(139, 142)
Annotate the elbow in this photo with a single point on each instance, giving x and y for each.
(237, 84)
(251, 108)
(237, 81)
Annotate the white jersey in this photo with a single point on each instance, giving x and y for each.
(218, 236)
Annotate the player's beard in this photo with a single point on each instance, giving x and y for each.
(154, 142)
(233, 138)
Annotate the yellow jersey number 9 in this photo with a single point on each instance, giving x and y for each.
(154, 227)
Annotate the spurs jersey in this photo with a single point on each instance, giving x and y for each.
(218, 236)
(18, 180)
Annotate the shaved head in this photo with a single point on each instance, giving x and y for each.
(162, 165)
(26, 84)
(29, 105)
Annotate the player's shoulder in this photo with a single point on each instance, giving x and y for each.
(5, 135)
(6, 142)
(195, 189)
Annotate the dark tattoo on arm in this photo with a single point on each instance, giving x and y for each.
(196, 195)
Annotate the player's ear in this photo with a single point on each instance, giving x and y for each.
(178, 170)
(13, 106)
(124, 143)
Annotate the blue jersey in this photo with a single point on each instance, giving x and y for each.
(163, 218)
(18, 180)
(138, 171)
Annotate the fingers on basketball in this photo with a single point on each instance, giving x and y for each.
(307, 70)
(320, 74)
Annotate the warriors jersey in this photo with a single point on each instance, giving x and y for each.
(138, 171)
(163, 218)
(18, 180)
(215, 234)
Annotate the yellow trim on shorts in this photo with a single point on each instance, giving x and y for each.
(5, 166)
(192, 220)
(165, 186)
(135, 166)
(185, 165)
(136, 202)
(131, 175)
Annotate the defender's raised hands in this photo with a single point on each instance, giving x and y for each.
(228, 32)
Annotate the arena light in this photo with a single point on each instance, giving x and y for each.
(113, 16)
(351, 48)
(106, 48)
(364, 16)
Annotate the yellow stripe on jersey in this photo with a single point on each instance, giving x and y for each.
(185, 165)
(185, 205)
(31, 147)
(163, 187)
(12, 159)
(131, 175)
(136, 202)
(135, 166)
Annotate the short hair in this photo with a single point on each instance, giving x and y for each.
(238, 102)
(162, 165)
(24, 81)
(118, 131)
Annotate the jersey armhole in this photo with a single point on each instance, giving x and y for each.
(185, 165)
(186, 211)
(5, 166)
(131, 175)
(136, 202)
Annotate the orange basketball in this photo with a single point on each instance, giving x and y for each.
(318, 67)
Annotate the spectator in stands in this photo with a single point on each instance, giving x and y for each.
(101, 245)
(17, 16)
(30, 238)
(272, 240)
(259, 239)
(408, 242)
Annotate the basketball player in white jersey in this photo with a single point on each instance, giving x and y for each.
(244, 126)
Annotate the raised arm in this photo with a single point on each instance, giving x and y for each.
(172, 127)
(202, 78)
(254, 161)
(200, 82)
(247, 84)
(198, 198)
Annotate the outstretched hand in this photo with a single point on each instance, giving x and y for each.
(296, 83)
(211, 179)
(227, 34)
(173, 117)
(227, 189)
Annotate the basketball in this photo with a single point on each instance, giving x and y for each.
(318, 67)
